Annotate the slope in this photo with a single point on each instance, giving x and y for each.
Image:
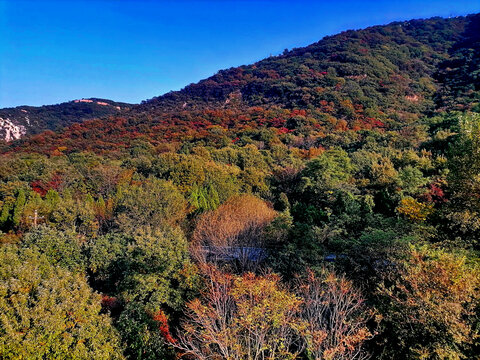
(25, 120)
(382, 77)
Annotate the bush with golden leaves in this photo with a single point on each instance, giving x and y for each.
(414, 210)
(431, 308)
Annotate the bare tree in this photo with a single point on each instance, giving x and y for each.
(336, 316)
(205, 334)
(244, 317)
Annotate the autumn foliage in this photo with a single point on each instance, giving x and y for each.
(335, 315)
(414, 210)
(162, 320)
(433, 305)
(234, 229)
(242, 317)
(323, 204)
(256, 317)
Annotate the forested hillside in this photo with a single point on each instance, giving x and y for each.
(321, 204)
(381, 77)
(27, 120)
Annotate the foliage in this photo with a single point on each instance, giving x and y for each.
(377, 78)
(244, 317)
(340, 155)
(48, 312)
(414, 210)
(142, 334)
(60, 248)
(335, 316)
(235, 231)
(53, 117)
(144, 268)
(153, 203)
(430, 308)
(464, 166)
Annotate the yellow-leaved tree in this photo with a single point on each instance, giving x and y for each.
(430, 308)
(242, 317)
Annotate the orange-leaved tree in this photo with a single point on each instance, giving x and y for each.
(242, 317)
(234, 231)
(336, 317)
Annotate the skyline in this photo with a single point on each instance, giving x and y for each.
(54, 51)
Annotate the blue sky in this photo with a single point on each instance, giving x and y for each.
(55, 51)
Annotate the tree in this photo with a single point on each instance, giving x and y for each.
(60, 248)
(106, 260)
(12, 210)
(336, 317)
(142, 334)
(6, 209)
(233, 233)
(411, 179)
(204, 199)
(150, 267)
(242, 317)
(48, 312)
(75, 214)
(429, 308)
(327, 171)
(414, 210)
(154, 262)
(153, 203)
(18, 208)
(148, 272)
(464, 181)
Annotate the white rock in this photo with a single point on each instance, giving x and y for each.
(9, 131)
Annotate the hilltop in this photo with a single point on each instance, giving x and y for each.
(20, 121)
(382, 76)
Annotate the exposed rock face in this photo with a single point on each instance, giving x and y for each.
(10, 131)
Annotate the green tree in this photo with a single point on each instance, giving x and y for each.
(59, 247)
(142, 335)
(46, 312)
(154, 262)
(464, 182)
(328, 171)
(18, 207)
(153, 203)
(204, 198)
(106, 260)
(148, 267)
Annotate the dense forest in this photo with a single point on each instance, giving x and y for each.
(320, 204)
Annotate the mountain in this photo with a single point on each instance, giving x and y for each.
(350, 168)
(382, 68)
(383, 76)
(26, 120)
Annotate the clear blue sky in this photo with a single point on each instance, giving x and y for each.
(55, 51)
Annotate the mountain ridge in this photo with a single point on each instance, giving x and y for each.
(384, 75)
(16, 122)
